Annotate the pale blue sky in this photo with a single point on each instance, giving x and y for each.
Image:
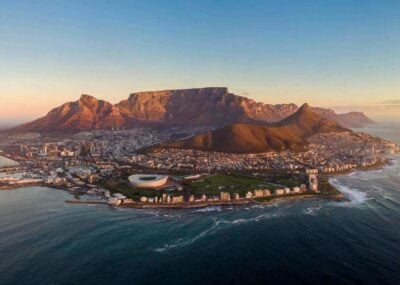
(328, 53)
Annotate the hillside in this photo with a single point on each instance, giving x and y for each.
(185, 107)
(291, 133)
(84, 114)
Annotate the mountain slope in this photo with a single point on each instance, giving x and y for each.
(84, 114)
(202, 106)
(349, 120)
(185, 107)
(199, 106)
(290, 133)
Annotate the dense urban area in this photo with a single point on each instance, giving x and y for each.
(96, 166)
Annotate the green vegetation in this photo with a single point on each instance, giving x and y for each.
(223, 182)
(286, 179)
(233, 183)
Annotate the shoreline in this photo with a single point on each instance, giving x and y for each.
(187, 205)
(139, 205)
(377, 166)
(16, 186)
(338, 197)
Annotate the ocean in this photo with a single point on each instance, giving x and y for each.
(46, 241)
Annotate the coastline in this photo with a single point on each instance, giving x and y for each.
(16, 186)
(139, 205)
(339, 196)
(388, 162)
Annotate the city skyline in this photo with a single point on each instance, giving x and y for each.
(342, 55)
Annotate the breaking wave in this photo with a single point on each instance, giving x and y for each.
(355, 196)
(208, 209)
(216, 226)
(182, 243)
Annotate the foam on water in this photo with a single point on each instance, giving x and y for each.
(216, 226)
(208, 209)
(355, 196)
(371, 175)
(313, 211)
(252, 219)
(184, 242)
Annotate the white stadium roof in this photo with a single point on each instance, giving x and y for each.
(147, 180)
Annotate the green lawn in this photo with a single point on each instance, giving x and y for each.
(233, 183)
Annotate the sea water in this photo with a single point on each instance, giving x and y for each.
(44, 240)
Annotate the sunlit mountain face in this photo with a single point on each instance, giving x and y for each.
(215, 142)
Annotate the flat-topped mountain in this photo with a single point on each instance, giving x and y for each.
(184, 107)
(203, 106)
(290, 133)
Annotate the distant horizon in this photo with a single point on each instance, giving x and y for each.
(328, 53)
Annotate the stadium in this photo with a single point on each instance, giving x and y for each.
(147, 180)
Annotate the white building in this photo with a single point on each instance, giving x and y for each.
(147, 180)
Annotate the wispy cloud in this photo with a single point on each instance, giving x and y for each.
(384, 104)
(388, 103)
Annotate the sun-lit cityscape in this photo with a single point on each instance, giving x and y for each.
(199, 142)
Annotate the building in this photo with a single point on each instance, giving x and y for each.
(296, 189)
(177, 199)
(147, 180)
(225, 196)
(267, 193)
(312, 179)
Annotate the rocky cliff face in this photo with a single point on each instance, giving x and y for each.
(204, 106)
(188, 107)
(85, 114)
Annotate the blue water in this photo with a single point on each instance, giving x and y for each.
(46, 241)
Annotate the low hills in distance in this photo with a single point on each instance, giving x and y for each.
(184, 107)
(290, 133)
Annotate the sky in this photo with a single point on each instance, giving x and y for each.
(343, 54)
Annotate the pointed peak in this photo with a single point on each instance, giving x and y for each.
(305, 106)
(303, 114)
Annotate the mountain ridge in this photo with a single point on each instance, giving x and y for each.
(182, 107)
(290, 133)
